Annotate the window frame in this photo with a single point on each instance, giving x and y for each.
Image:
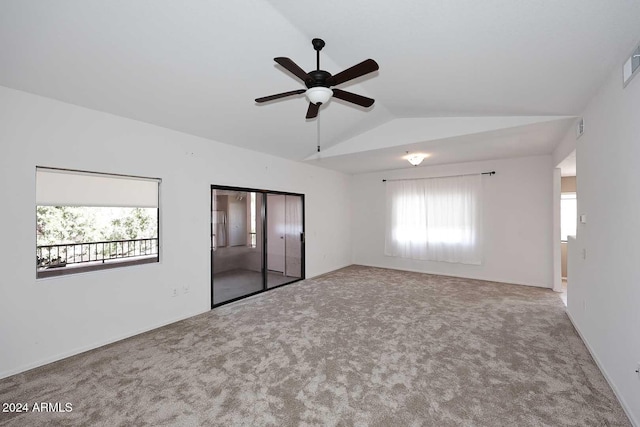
(109, 264)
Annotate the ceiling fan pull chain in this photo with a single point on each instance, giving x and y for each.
(318, 123)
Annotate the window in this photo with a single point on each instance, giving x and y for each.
(89, 221)
(568, 215)
(435, 219)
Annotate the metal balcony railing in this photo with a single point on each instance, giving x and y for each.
(55, 256)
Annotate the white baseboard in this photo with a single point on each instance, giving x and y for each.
(90, 347)
(624, 405)
(330, 271)
(462, 276)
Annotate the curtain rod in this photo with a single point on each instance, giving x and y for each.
(448, 176)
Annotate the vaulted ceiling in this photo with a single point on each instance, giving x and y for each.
(461, 80)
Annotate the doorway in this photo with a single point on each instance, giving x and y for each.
(568, 225)
(565, 221)
(257, 241)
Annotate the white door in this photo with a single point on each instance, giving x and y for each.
(275, 232)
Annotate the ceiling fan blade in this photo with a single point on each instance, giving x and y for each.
(280, 95)
(313, 110)
(353, 97)
(292, 67)
(365, 67)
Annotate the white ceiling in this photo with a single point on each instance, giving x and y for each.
(197, 66)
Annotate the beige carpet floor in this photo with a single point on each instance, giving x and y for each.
(240, 282)
(357, 347)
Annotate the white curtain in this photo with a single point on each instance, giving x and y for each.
(435, 219)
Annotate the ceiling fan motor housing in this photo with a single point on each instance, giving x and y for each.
(318, 78)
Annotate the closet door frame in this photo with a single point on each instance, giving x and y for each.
(263, 217)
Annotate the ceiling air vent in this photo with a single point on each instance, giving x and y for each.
(580, 128)
(631, 66)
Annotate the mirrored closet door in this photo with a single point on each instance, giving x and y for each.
(257, 241)
(284, 239)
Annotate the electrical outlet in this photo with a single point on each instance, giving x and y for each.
(185, 289)
(174, 292)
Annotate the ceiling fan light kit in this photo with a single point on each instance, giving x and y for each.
(319, 94)
(318, 82)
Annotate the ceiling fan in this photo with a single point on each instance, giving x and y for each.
(318, 82)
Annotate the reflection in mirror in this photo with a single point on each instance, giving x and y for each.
(237, 258)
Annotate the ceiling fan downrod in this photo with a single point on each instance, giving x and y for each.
(318, 44)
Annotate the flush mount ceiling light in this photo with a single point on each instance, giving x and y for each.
(415, 158)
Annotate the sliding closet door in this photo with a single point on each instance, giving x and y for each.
(294, 236)
(257, 241)
(284, 239)
(275, 233)
(236, 244)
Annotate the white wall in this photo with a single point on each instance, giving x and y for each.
(604, 289)
(517, 210)
(565, 147)
(44, 320)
